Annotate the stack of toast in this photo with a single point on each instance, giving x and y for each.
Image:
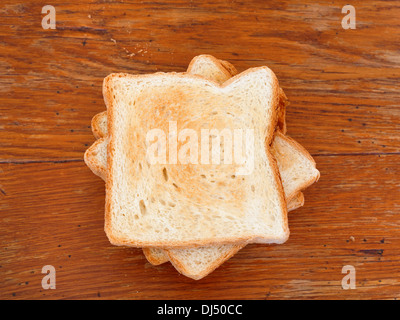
(197, 214)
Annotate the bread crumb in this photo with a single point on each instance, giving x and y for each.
(352, 239)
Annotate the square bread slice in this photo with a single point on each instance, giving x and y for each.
(174, 205)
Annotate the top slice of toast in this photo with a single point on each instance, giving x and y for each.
(175, 205)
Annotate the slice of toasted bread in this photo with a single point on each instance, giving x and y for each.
(195, 205)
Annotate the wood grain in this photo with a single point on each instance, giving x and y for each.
(343, 89)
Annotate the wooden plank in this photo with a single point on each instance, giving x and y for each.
(52, 213)
(343, 84)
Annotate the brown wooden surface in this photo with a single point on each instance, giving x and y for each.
(344, 91)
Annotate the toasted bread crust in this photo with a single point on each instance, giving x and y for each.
(181, 268)
(155, 259)
(296, 202)
(97, 129)
(227, 70)
(306, 154)
(229, 67)
(91, 160)
(283, 103)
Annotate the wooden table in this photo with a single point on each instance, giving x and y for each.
(344, 91)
